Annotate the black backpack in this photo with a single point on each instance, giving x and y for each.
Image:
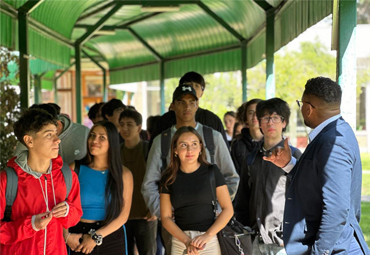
(12, 187)
(166, 144)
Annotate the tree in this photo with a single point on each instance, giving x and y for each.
(9, 105)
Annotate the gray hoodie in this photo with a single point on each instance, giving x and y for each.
(73, 140)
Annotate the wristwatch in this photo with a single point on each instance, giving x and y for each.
(98, 239)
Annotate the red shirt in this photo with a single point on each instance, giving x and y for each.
(18, 236)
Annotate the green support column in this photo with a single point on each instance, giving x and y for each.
(105, 89)
(37, 89)
(244, 69)
(270, 49)
(78, 84)
(55, 87)
(161, 82)
(346, 59)
(24, 71)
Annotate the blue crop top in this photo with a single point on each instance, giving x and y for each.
(92, 190)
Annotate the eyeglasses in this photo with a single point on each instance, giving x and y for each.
(275, 119)
(300, 103)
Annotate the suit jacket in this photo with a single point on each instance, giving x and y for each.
(323, 203)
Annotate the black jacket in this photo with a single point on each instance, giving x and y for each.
(241, 147)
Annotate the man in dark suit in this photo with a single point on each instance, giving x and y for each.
(323, 202)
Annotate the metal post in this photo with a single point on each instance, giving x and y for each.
(161, 82)
(24, 70)
(78, 84)
(37, 89)
(55, 86)
(244, 69)
(346, 59)
(270, 48)
(105, 89)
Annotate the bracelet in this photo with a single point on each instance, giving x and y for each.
(68, 237)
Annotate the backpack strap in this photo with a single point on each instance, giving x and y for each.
(11, 191)
(210, 144)
(145, 149)
(67, 174)
(77, 167)
(165, 147)
(212, 182)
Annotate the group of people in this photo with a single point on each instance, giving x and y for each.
(115, 187)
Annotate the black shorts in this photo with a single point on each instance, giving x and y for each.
(113, 244)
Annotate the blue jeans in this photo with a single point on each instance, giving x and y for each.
(144, 234)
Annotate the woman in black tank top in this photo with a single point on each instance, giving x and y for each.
(185, 186)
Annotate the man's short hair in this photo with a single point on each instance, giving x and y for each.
(241, 113)
(150, 121)
(109, 107)
(47, 107)
(193, 77)
(324, 89)
(274, 105)
(94, 110)
(31, 122)
(135, 115)
(56, 107)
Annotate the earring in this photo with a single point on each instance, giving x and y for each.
(200, 153)
(176, 155)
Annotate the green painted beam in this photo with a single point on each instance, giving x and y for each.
(64, 71)
(98, 25)
(270, 48)
(30, 6)
(96, 11)
(105, 92)
(263, 4)
(78, 84)
(243, 68)
(146, 45)
(220, 21)
(161, 83)
(24, 68)
(346, 59)
(137, 20)
(37, 89)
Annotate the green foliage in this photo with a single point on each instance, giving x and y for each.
(365, 221)
(9, 106)
(292, 69)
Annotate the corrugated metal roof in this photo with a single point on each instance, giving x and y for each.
(184, 39)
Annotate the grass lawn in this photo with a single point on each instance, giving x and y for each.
(365, 221)
(365, 159)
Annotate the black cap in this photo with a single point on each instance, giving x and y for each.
(182, 90)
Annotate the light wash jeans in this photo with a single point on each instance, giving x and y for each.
(212, 247)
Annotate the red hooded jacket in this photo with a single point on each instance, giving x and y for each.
(18, 235)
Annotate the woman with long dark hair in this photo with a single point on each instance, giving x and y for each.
(106, 193)
(185, 186)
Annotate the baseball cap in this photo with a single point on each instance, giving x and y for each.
(182, 90)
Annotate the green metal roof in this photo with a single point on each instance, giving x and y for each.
(203, 35)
